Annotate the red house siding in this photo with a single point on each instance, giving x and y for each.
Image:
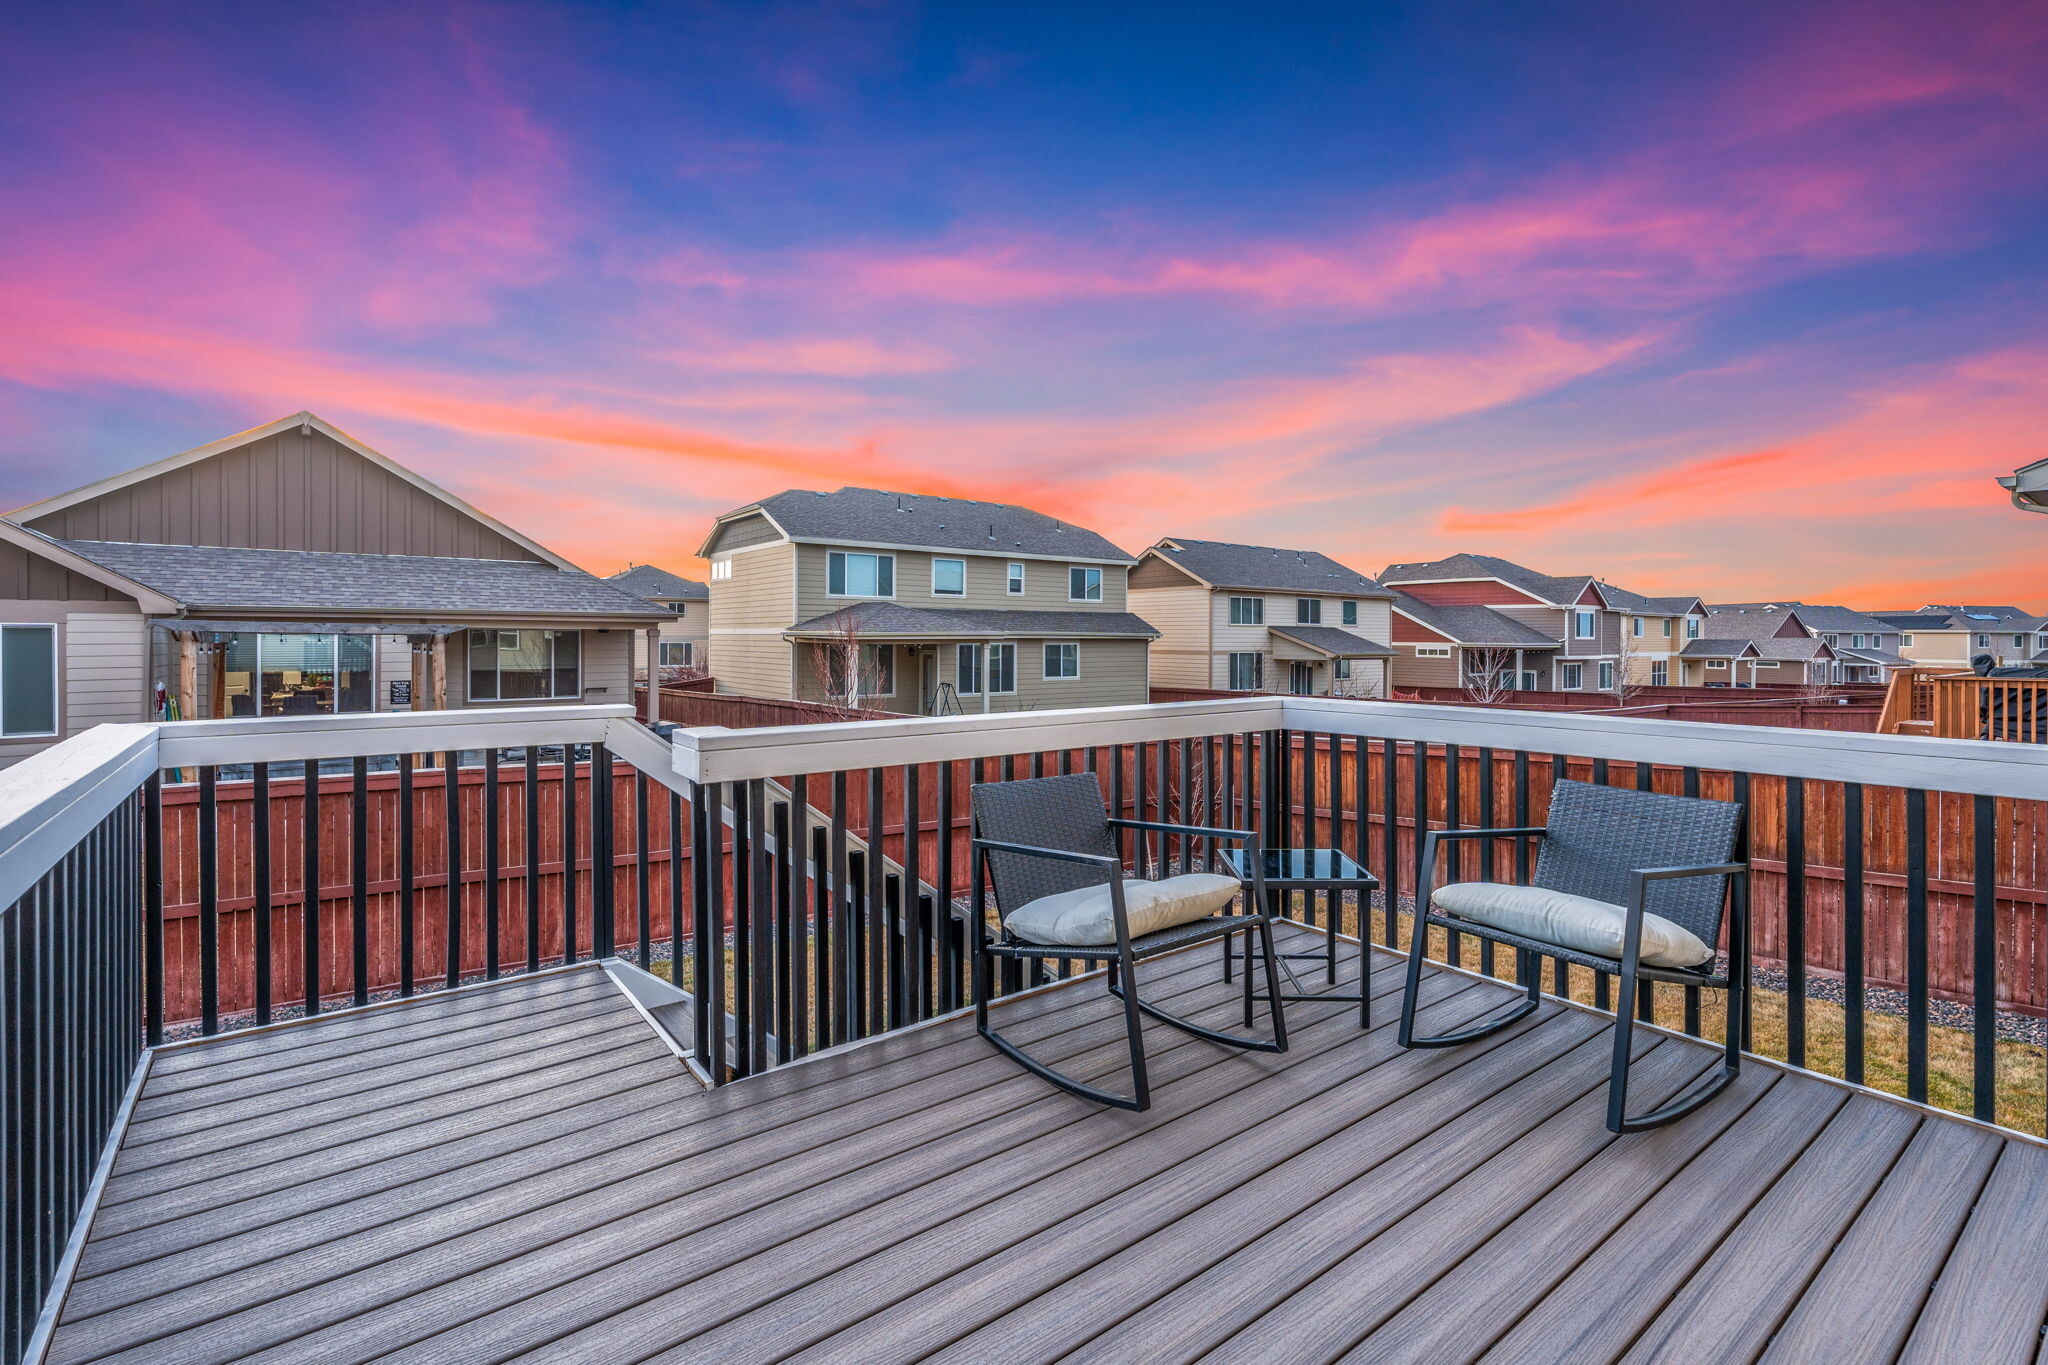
(1485, 593)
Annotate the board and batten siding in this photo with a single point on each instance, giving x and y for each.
(291, 491)
(1045, 583)
(748, 613)
(1181, 656)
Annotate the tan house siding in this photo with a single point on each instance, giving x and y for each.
(607, 671)
(742, 533)
(1409, 671)
(290, 491)
(747, 614)
(1182, 655)
(100, 666)
(1374, 623)
(692, 626)
(1045, 583)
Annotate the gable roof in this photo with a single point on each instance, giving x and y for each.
(1979, 613)
(1918, 620)
(659, 585)
(215, 578)
(1472, 625)
(57, 552)
(915, 521)
(1562, 590)
(143, 473)
(1818, 616)
(1222, 564)
(1758, 647)
(1333, 641)
(1622, 599)
(892, 618)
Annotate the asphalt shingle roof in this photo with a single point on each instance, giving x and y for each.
(871, 516)
(1474, 625)
(1334, 641)
(889, 618)
(316, 580)
(1818, 616)
(1766, 647)
(655, 584)
(1549, 587)
(1634, 602)
(1265, 568)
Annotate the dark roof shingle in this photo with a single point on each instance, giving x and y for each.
(890, 618)
(1334, 641)
(1225, 565)
(655, 584)
(872, 516)
(1473, 625)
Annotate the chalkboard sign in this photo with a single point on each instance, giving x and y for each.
(401, 693)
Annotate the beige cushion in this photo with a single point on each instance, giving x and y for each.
(1083, 919)
(1569, 921)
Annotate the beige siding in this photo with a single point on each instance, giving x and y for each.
(607, 671)
(1045, 584)
(742, 533)
(1409, 671)
(102, 666)
(748, 613)
(283, 492)
(1181, 614)
(693, 626)
(1375, 623)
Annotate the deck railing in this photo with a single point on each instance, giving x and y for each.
(809, 886)
(1951, 705)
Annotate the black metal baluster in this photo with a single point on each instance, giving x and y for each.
(704, 869)
(491, 851)
(259, 857)
(408, 871)
(842, 910)
(942, 924)
(603, 855)
(761, 993)
(1140, 843)
(1747, 847)
(1795, 921)
(1452, 852)
(152, 910)
(675, 884)
(359, 876)
(788, 955)
(917, 966)
(643, 875)
(1984, 959)
(451, 807)
(309, 918)
(711, 938)
(821, 939)
(1691, 787)
(1852, 932)
(1390, 840)
(530, 774)
(878, 918)
(209, 902)
(1420, 792)
(744, 837)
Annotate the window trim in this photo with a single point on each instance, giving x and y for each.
(878, 556)
(1660, 673)
(969, 651)
(946, 559)
(1013, 578)
(1604, 675)
(1308, 611)
(689, 648)
(1432, 651)
(721, 569)
(1256, 612)
(1258, 670)
(1347, 612)
(989, 672)
(1571, 677)
(1045, 657)
(1101, 583)
(1340, 670)
(497, 673)
(1585, 623)
(57, 681)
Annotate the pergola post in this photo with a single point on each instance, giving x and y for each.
(440, 659)
(422, 661)
(188, 675)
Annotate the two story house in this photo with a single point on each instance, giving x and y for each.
(1476, 648)
(1253, 618)
(1861, 648)
(1581, 619)
(923, 605)
(289, 570)
(1951, 637)
(683, 641)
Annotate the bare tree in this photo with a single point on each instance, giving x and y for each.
(1489, 675)
(848, 670)
(1628, 653)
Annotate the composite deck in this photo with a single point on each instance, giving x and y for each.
(524, 1172)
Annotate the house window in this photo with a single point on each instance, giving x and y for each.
(1606, 676)
(1247, 672)
(1582, 625)
(1660, 673)
(300, 675)
(857, 575)
(1062, 662)
(1983, 642)
(28, 680)
(877, 673)
(1717, 663)
(1856, 642)
(1667, 627)
(1635, 625)
(1571, 677)
(1764, 663)
(1016, 580)
(949, 578)
(2019, 642)
(1906, 641)
(677, 654)
(1247, 611)
(1350, 615)
(967, 670)
(721, 569)
(1308, 611)
(1002, 670)
(1692, 627)
(1342, 668)
(1432, 651)
(1084, 585)
(511, 665)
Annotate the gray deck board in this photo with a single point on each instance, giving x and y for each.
(525, 1171)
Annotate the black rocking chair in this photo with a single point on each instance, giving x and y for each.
(1645, 853)
(1045, 836)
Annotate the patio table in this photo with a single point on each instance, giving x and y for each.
(1309, 870)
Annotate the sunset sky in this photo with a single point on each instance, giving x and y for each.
(1742, 300)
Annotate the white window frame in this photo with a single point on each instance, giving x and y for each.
(1255, 611)
(937, 591)
(1717, 663)
(1635, 626)
(2019, 642)
(1660, 674)
(1045, 661)
(1257, 670)
(1084, 570)
(1606, 675)
(1983, 641)
(1585, 623)
(989, 669)
(1432, 651)
(1308, 611)
(56, 682)
(689, 648)
(962, 654)
(843, 556)
(1692, 627)
(1906, 641)
(1763, 663)
(721, 569)
(1013, 579)
(1571, 677)
(1340, 669)
(1667, 627)
(1348, 615)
